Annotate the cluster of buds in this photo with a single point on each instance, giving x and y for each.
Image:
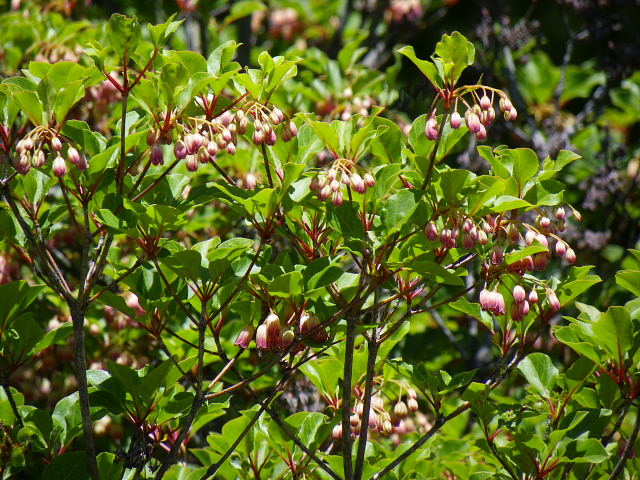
(202, 144)
(383, 419)
(449, 236)
(342, 173)
(494, 302)
(265, 123)
(272, 335)
(31, 153)
(355, 105)
(479, 115)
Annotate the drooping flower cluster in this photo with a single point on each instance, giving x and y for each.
(495, 238)
(203, 139)
(341, 174)
(272, 335)
(394, 417)
(479, 114)
(41, 144)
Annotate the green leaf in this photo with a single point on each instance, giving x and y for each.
(630, 280)
(398, 209)
(538, 369)
(434, 272)
(161, 33)
(68, 466)
(456, 53)
(123, 34)
(426, 67)
(614, 331)
(452, 182)
(288, 285)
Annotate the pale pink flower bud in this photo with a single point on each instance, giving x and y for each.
(570, 256)
(157, 156)
(325, 192)
(56, 144)
(533, 297)
(190, 144)
(27, 144)
(202, 155)
(527, 263)
(455, 121)
(245, 336)
(357, 183)
(308, 321)
(485, 102)
(505, 104)
(276, 116)
(561, 248)
(231, 148)
(271, 138)
(560, 213)
(500, 308)
(335, 185)
(513, 114)
(545, 223)
(39, 159)
(258, 137)
(518, 294)
(400, 409)
(337, 198)
(336, 433)
(293, 128)
(82, 163)
(226, 118)
(286, 339)
(473, 121)
(369, 181)
(431, 231)
(377, 402)
(486, 300)
(412, 404)
(72, 155)
(483, 239)
(192, 163)
(467, 225)
(373, 420)
(221, 141)
(529, 237)
(542, 240)
(23, 164)
(431, 128)
(552, 300)
(482, 133)
(212, 148)
(180, 150)
(59, 167)
(262, 341)
(273, 328)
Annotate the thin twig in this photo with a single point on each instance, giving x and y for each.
(368, 392)
(346, 398)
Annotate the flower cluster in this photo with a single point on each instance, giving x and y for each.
(203, 139)
(41, 143)
(479, 114)
(392, 418)
(272, 335)
(341, 173)
(503, 236)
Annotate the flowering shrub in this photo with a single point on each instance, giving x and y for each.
(236, 269)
